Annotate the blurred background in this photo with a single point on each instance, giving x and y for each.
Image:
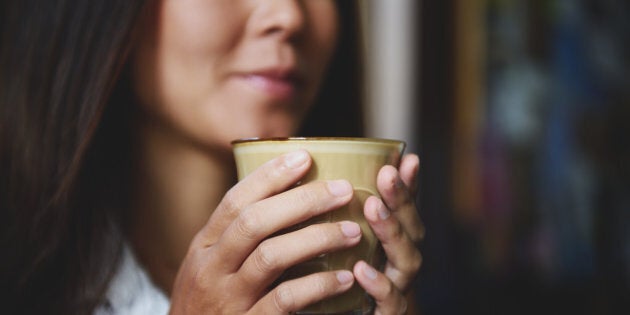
(520, 112)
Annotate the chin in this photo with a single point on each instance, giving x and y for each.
(279, 133)
(276, 129)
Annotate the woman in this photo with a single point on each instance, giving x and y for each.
(117, 118)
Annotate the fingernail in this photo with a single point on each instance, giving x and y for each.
(339, 187)
(344, 276)
(383, 212)
(368, 271)
(295, 159)
(350, 229)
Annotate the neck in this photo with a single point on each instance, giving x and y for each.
(177, 187)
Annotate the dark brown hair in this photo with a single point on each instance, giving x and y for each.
(64, 110)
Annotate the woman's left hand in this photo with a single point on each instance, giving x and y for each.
(396, 222)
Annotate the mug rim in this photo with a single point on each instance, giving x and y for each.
(318, 138)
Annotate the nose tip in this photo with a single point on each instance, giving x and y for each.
(284, 18)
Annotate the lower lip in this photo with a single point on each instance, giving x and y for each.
(277, 88)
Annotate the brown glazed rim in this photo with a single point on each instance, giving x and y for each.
(352, 139)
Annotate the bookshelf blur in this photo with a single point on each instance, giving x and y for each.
(525, 146)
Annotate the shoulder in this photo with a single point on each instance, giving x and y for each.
(131, 291)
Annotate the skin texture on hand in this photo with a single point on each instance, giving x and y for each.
(235, 258)
(396, 222)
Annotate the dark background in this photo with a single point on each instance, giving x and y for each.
(524, 189)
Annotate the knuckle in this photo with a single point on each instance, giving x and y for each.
(264, 258)
(387, 292)
(415, 238)
(321, 286)
(283, 299)
(390, 289)
(416, 263)
(411, 266)
(322, 233)
(197, 242)
(274, 169)
(398, 233)
(417, 235)
(247, 224)
(307, 198)
(230, 203)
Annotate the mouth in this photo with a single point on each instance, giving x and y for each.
(277, 83)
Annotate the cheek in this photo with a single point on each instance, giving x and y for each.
(199, 27)
(177, 62)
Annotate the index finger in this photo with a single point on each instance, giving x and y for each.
(271, 178)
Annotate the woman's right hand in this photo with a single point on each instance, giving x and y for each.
(234, 259)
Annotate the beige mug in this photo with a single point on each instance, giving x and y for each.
(357, 160)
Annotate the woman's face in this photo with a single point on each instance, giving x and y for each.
(216, 70)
